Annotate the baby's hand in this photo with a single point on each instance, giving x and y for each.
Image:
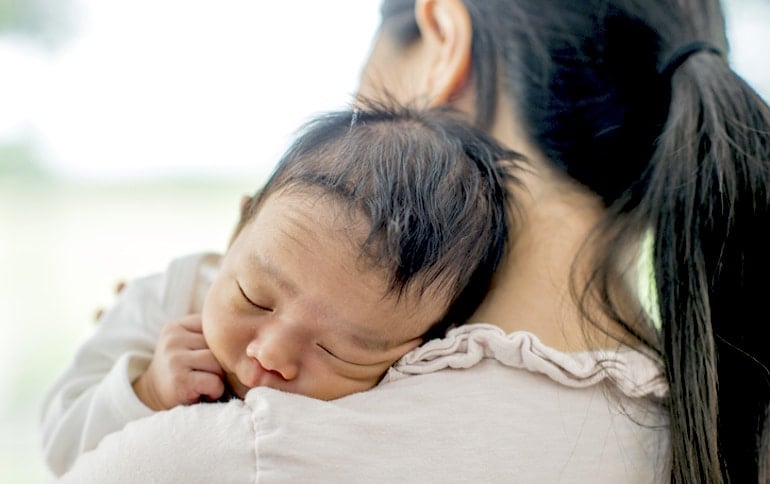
(182, 370)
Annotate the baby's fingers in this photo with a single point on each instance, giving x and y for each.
(191, 322)
(203, 360)
(208, 385)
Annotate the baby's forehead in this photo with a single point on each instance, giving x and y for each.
(319, 213)
(311, 217)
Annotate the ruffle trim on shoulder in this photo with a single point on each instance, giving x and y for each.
(634, 373)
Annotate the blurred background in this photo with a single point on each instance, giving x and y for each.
(129, 132)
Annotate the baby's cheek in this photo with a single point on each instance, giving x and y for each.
(218, 312)
(209, 308)
(214, 325)
(362, 384)
(210, 333)
(334, 389)
(208, 321)
(364, 380)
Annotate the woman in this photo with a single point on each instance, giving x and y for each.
(635, 103)
(636, 131)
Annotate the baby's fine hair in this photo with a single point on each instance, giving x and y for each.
(433, 188)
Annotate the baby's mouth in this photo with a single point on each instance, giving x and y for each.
(253, 375)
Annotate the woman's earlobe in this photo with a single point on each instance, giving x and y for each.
(446, 32)
(245, 199)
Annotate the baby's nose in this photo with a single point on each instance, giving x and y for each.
(276, 355)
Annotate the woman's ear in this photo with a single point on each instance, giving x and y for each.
(245, 199)
(446, 33)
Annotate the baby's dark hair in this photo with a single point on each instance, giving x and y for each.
(433, 188)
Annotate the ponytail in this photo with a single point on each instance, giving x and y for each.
(708, 197)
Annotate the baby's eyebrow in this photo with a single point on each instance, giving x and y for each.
(270, 269)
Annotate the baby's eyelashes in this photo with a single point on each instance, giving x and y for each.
(260, 306)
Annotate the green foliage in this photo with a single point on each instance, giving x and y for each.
(20, 160)
(48, 21)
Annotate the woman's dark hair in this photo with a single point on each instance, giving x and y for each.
(433, 188)
(682, 153)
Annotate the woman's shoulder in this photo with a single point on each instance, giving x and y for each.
(473, 408)
(197, 443)
(636, 373)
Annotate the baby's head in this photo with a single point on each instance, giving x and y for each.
(379, 228)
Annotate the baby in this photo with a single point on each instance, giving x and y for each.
(380, 228)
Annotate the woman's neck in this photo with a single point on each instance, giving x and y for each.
(531, 290)
(551, 219)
